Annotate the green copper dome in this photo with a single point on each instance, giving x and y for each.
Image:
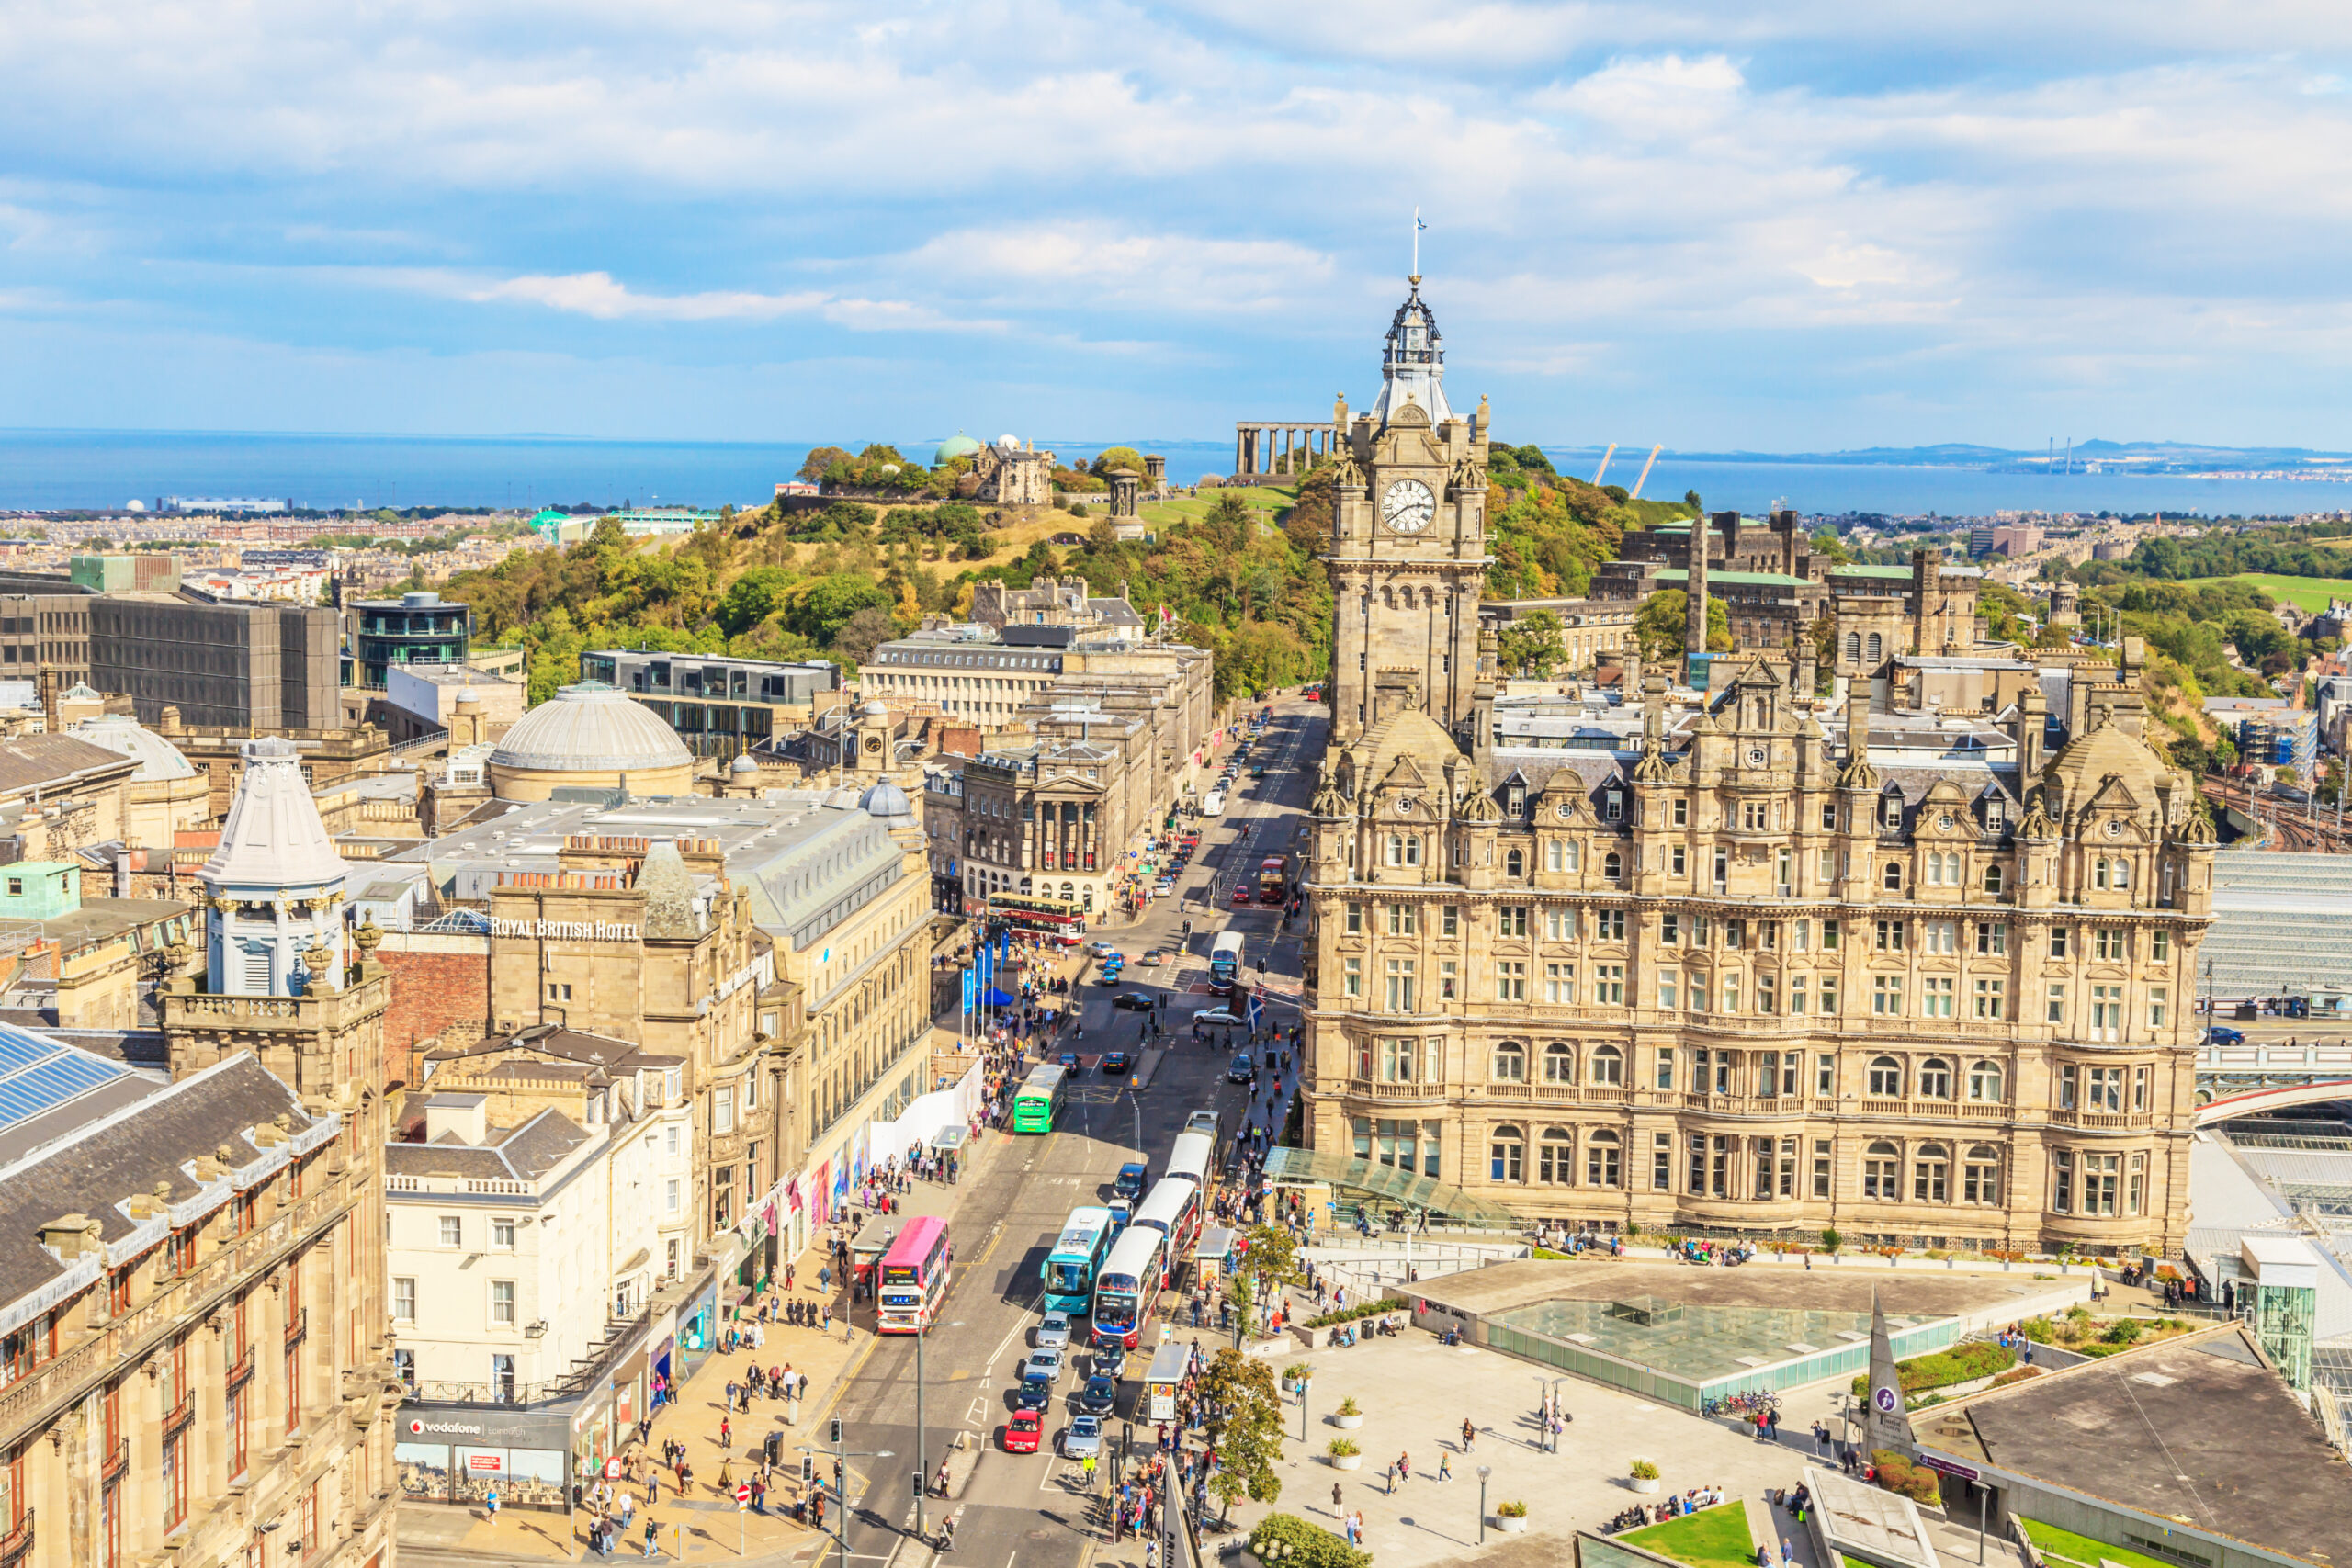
(956, 445)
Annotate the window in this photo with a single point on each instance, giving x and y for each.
(1681, 812)
(1403, 921)
(453, 1230)
(1355, 919)
(1985, 1082)
(501, 1303)
(1400, 1057)
(2061, 1181)
(2136, 1188)
(1399, 979)
(1510, 1063)
(1562, 855)
(1559, 925)
(2057, 941)
(1514, 863)
(2160, 945)
(1767, 998)
(1601, 1155)
(1698, 1186)
(1662, 1162)
(1608, 1065)
(1669, 992)
(1881, 1172)
(1559, 1063)
(1890, 935)
(1991, 1000)
(1821, 1167)
(1677, 861)
(2056, 1013)
(1935, 1079)
(2158, 997)
(1612, 809)
(1609, 925)
(1885, 1078)
(1511, 921)
(2140, 1088)
(2069, 1085)
(2107, 1012)
(1613, 865)
(501, 1234)
(1445, 980)
(1665, 1075)
(1556, 1159)
(1351, 976)
(1935, 995)
(1886, 995)
(1938, 937)
(1507, 1155)
(2099, 1183)
(1731, 993)
(2106, 946)
(404, 1300)
(722, 1111)
(1931, 1174)
(1825, 862)
(670, 1195)
(1980, 1180)
(1511, 980)
(1448, 919)
(2106, 1089)
(1993, 881)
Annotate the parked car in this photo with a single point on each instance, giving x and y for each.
(1133, 1002)
(1243, 1069)
(1053, 1333)
(1224, 1016)
(1082, 1439)
(1020, 1433)
(1203, 1121)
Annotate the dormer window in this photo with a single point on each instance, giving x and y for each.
(1516, 795)
(1612, 806)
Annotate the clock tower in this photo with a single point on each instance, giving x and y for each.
(1408, 546)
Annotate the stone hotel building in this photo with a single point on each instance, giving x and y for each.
(1740, 961)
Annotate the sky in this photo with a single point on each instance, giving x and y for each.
(1774, 225)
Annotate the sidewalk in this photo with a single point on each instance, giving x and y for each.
(703, 1524)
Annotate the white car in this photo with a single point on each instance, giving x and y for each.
(1218, 1015)
(1054, 1333)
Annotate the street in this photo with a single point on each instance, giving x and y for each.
(1031, 1511)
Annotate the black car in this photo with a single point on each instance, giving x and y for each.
(1099, 1395)
(1034, 1394)
(1110, 1362)
(1116, 1061)
(1134, 1002)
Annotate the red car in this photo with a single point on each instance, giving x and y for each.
(1241, 895)
(1022, 1432)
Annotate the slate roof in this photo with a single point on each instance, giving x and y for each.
(31, 760)
(521, 1154)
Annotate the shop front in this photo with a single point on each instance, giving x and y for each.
(457, 1454)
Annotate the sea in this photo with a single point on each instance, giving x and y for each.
(48, 470)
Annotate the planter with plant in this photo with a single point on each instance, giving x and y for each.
(1644, 1476)
(1349, 1417)
(1511, 1518)
(1344, 1454)
(1294, 1377)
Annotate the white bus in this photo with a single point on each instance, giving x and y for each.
(1126, 1286)
(1174, 1210)
(1224, 960)
(1189, 1157)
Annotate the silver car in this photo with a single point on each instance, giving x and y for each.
(1082, 1439)
(1053, 1334)
(1046, 1365)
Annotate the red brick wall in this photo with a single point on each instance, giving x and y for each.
(430, 992)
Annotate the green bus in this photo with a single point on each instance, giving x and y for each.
(1038, 1101)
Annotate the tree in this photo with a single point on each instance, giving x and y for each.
(1270, 1261)
(820, 458)
(864, 632)
(754, 597)
(1532, 642)
(1245, 1425)
(1690, 498)
(1659, 624)
(1230, 513)
(1116, 458)
(1285, 1541)
(818, 610)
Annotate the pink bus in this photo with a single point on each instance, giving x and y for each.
(915, 1275)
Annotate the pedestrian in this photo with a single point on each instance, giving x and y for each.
(1335, 1497)
(650, 1527)
(490, 1501)
(726, 1431)
(1404, 1467)
(1469, 1438)
(1445, 1465)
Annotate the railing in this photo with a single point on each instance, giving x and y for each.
(241, 1371)
(298, 1328)
(19, 1542)
(2103, 1120)
(423, 742)
(498, 1185)
(116, 1461)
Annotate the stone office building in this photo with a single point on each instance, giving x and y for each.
(1746, 973)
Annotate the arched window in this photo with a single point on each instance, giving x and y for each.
(1608, 1065)
(1877, 648)
(1994, 882)
(1935, 1079)
(2098, 872)
(1931, 1174)
(1514, 863)
(1886, 1079)
(1507, 1155)
(1613, 865)
(1600, 1159)
(1893, 876)
(1069, 891)
(1980, 1180)
(1853, 647)
(2122, 875)
(1511, 1062)
(1559, 1061)
(1883, 1171)
(1395, 849)
(1985, 1082)
(1555, 1157)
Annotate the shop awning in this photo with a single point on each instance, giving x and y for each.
(1381, 1183)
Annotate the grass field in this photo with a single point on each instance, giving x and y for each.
(1712, 1538)
(1186, 508)
(2064, 1549)
(2309, 594)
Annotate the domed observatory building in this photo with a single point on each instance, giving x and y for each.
(273, 919)
(590, 736)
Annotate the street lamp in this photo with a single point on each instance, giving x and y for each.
(1484, 1471)
(1304, 1385)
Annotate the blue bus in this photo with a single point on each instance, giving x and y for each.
(1078, 1254)
(1224, 960)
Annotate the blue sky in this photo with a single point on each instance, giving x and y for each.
(1792, 226)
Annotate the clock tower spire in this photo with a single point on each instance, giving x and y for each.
(1408, 542)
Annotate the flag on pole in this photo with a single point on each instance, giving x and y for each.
(970, 988)
(1256, 1010)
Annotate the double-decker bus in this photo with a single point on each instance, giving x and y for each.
(1274, 880)
(1174, 1210)
(1037, 1103)
(1192, 1157)
(1077, 1257)
(1224, 960)
(1127, 1285)
(1038, 914)
(914, 1276)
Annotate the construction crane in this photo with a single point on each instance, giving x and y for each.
(1645, 472)
(1602, 472)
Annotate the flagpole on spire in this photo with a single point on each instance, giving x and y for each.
(1418, 227)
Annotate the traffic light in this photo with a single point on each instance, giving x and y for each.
(834, 1437)
(807, 1469)
(914, 1478)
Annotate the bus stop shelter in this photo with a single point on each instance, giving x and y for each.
(866, 1248)
(1161, 1383)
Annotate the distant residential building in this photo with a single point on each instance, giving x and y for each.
(2268, 730)
(720, 707)
(1048, 602)
(415, 628)
(91, 957)
(224, 503)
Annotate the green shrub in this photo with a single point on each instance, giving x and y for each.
(1350, 1314)
(1285, 1541)
(1343, 1447)
(1349, 1406)
(1831, 1241)
(1644, 1470)
(1963, 1363)
(1899, 1475)
(1512, 1510)
(2124, 1330)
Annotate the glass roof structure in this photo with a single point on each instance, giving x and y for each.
(1363, 1179)
(1694, 1342)
(38, 1073)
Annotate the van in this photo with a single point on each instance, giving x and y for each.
(1212, 804)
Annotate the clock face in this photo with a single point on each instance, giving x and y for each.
(1408, 506)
